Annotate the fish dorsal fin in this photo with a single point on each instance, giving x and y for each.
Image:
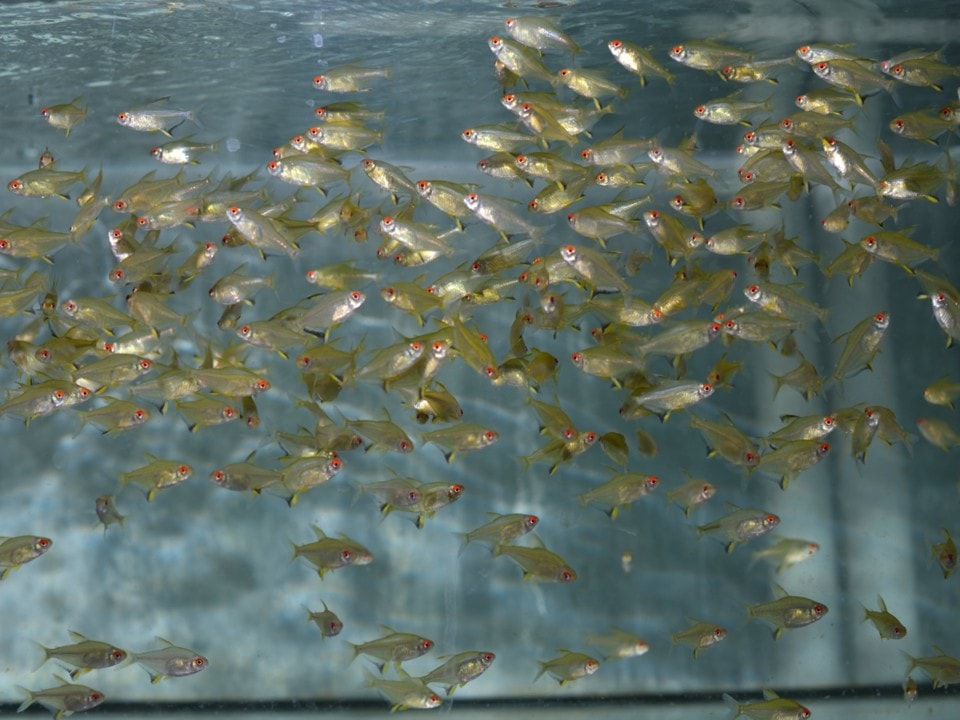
(251, 456)
(74, 635)
(150, 456)
(164, 641)
(493, 515)
(732, 506)
(883, 605)
(769, 694)
(318, 532)
(387, 629)
(779, 592)
(537, 541)
(404, 675)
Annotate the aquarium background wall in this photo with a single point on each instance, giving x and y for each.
(213, 570)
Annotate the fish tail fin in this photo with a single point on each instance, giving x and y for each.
(46, 655)
(733, 705)
(31, 698)
(192, 116)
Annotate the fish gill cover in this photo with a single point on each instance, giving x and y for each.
(464, 389)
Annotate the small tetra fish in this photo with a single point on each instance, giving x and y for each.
(395, 647)
(620, 644)
(945, 553)
(405, 693)
(170, 661)
(740, 525)
(887, 625)
(64, 699)
(151, 119)
(568, 667)
(787, 611)
(700, 635)
(692, 493)
(84, 654)
(326, 620)
(17, 551)
(538, 563)
(942, 669)
(107, 512)
(64, 116)
(772, 707)
(787, 552)
(501, 530)
(460, 669)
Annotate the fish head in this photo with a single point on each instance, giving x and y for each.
(15, 186)
(586, 155)
(424, 188)
(822, 69)
(678, 53)
(898, 125)
(320, 82)
(124, 118)
(881, 321)
(496, 44)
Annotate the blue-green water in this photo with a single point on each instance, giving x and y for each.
(210, 569)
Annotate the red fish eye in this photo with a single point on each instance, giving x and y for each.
(185, 469)
(749, 136)
(677, 202)
(43, 355)
(59, 395)
(677, 50)
(819, 609)
(144, 364)
(727, 71)
(140, 414)
(120, 205)
(355, 295)
(897, 70)
(243, 331)
(786, 124)
(273, 165)
(653, 481)
(456, 489)
(83, 393)
(229, 413)
(346, 555)
(569, 434)
(829, 421)
(719, 632)
(771, 519)
(43, 542)
(262, 385)
(121, 116)
(700, 110)
(143, 221)
(96, 697)
(880, 317)
(199, 662)
(490, 435)
(824, 447)
(566, 576)
(564, 72)
(591, 438)
(616, 44)
(870, 240)
(45, 112)
(318, 80)
(217, 475)
(315, 133)
(413, 496)
(118, 655)
(423, 184)
(404, 446)
(898, 124)
(656, 315)
(532, 520)
(491, 372)
(533, 204)
(898, 631)
(800, 99)
(805, 713)
(15, 184)
(468, 133)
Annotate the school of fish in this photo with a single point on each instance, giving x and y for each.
(671, 272)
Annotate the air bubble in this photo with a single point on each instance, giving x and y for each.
(317, 40)
(233, 144)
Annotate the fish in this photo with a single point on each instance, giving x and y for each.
(945, 553)
(395, 647)
(83, 654)
(500, 530)
(65, 116)
(19, 550)
(406, 693)
(169, 661)
(791, 458)
(622, 490)
(691, 494)
(349, 78)
(772, 707)
(700, 636)
(943, 669)
(638, 60)
(540, 34)
(107, 512)
(787, 611)
(538, 563)
(459, 669)
(182, 152)
(938, 432)
(942, 392)
(327, 553)
(886, 624)
(569, 666)
(740, 525)
(63, 699)
(326, 620)
(152, 119)
(620, 644)
(787, 552)
(157, 475)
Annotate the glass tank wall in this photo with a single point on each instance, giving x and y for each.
(268, 352)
